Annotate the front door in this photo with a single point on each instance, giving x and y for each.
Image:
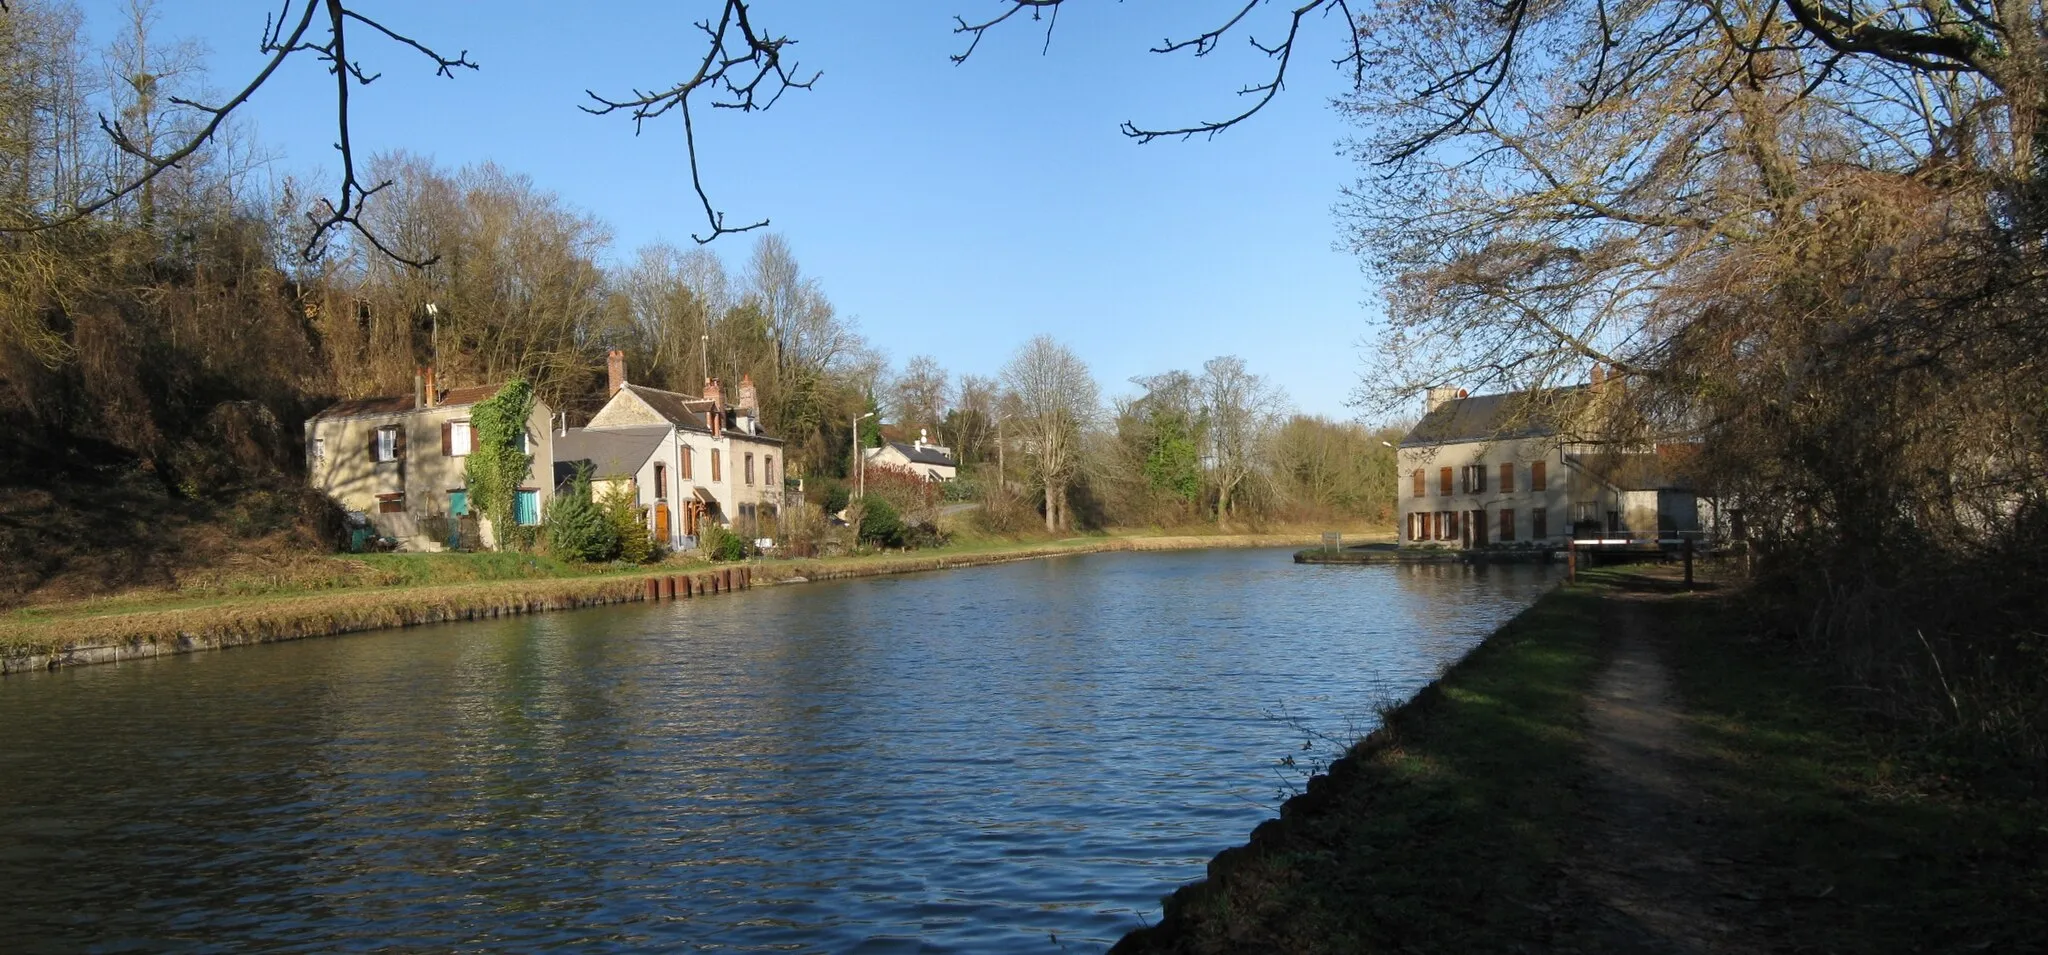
(662, 531)
(1478, 525)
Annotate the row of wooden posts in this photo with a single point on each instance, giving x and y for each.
(718, 581)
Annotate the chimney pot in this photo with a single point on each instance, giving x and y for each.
(615, 371)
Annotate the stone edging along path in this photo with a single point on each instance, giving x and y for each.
(146, 634)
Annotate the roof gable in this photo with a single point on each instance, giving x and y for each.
(1510, 415)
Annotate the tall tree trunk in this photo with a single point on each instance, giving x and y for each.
(1051, 508)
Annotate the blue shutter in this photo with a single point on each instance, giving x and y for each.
(458, 503)
(526, 510)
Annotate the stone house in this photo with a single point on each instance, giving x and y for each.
(724, 468)
(399, 462)
(1510, 469)
(930, 462)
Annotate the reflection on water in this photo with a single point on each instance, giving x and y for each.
(970, 760)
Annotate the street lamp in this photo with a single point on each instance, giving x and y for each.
(860, 460)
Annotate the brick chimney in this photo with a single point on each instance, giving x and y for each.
(433, 389)
(750, 399)
(715, 393)
(1438, 397)
(615, 370)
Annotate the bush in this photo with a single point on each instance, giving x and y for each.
(719, 543)
(576, 528)
(832, 494)
(880, 525)
(923, 534)
(629, 525)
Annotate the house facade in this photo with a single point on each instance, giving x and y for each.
(930, 462)
(1504, 470)
(715, 464)
(399, 462)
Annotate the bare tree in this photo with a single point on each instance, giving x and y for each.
(1242, 411)
(1056, 401)
(741, 66)
(922, 393)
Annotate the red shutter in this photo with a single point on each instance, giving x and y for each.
(1443, 480)
(447, 439)
(1507, 519)
(1537, 479)
(1420, 488)
(1507, 478)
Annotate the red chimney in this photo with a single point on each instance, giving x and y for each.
(714, 393)
(615, 369)
(750, 399)
(433, 390)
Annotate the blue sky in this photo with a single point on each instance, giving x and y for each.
(954, 211)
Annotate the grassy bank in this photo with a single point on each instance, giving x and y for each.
(343, 594)
(1465, 823)
(1439, 832)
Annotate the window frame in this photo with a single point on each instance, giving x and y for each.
(750, 468)
(461, 438)
(661, 480)
(716, 467)
(386, 443)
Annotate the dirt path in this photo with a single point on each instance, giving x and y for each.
(1646, 877)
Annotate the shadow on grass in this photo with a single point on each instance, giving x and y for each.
(1442, 831)
(1860, 834)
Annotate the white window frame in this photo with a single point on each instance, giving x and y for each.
(461, 439)
(387, 444)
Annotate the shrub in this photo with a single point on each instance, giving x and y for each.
(629, 525)
(832, 495)
(880, 525)
(923, 534)
(720, 543)
(576, 527)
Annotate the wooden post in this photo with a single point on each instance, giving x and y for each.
(684, 588)
(746, 578)
(668, 588)
(1571, 562)
(653, 589)
(1688, 563)
(725, 580)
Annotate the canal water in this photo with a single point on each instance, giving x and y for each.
(1022, 757)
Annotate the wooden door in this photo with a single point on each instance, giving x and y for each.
(662, 531)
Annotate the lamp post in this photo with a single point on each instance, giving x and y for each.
(860, 460)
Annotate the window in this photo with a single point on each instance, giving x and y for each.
(714, 465)
(391, 503)
(458, 502)
(768, 470)
(1539, 521)
(387, 443)
(689, 457)
(750, 467)
(1421, 485)
(319, 450)
(660, 481)
(456, 438)
(1507, 519)
(1507, 478)
(1538, 481)
(1475, 478)
(1443, 481)
(526, 508)
(525, 443)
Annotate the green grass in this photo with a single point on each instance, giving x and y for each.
(1439, 832)
(1860, 833)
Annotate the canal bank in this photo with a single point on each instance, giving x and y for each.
(1631, 766)
(72, 636)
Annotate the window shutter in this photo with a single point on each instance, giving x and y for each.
(1507, 478)
(447, 439)
(398, 443)
(373, 444)
(1537, 479)
(1443, 480)
(1507, 520)
(1419, 482)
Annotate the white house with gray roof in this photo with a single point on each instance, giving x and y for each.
(930, 462)
(1513, 469)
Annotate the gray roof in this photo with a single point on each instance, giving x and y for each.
(1515, 414)
(923, 455)
(611, 452)
(676, 407)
